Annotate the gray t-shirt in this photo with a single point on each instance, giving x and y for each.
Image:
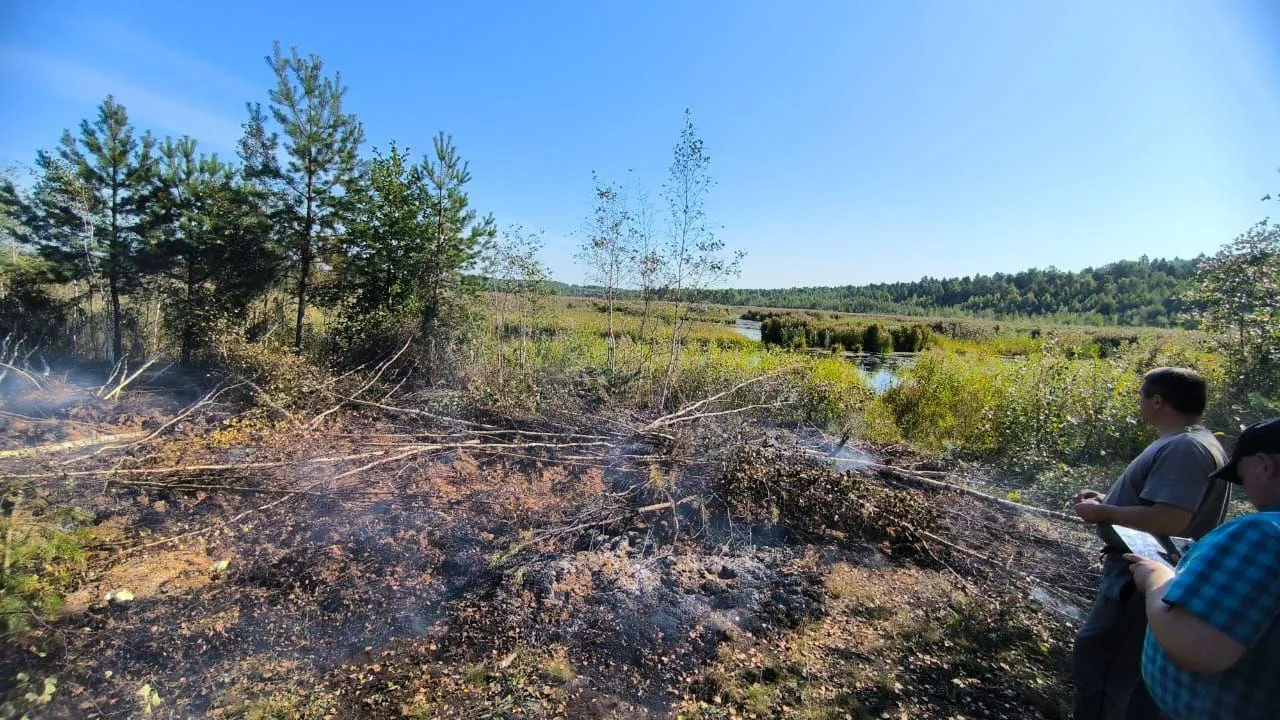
(1173, 470)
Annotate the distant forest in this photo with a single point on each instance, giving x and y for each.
(1141, 292)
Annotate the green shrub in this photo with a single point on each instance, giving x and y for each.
(1052, 404)
(40, 555)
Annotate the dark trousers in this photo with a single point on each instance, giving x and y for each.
(1107, 663)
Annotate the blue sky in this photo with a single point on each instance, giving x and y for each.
(852, 142)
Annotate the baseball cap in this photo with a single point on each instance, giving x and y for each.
(1261, 437)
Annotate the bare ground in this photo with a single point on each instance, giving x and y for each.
(384, 565)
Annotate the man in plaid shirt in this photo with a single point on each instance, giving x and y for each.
(1213, 637)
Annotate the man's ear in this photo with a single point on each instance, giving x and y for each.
(1270, 465)
(1157, 402)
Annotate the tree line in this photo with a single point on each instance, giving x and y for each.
(1141, 292)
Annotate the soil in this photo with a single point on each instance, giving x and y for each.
(344, 571)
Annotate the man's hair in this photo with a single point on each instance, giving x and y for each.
(1182, 388)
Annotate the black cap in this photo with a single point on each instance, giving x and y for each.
(1262, 437)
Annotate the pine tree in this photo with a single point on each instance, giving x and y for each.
(321, 141)
(90, 200)
(455, 239)
(211, 242)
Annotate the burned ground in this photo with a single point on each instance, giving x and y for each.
(387, 565)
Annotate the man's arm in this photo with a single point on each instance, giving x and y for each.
(1159, 519)
(1191, 643)
(1223, 598)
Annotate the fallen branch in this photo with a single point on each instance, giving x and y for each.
(207, 399)
(125, 382)
(376, 375)
(919, 479)
(116, 370)
(731, 411)
(68, 445)
(196, 468)
(23, 373)
(268, 506)
(422, 413)
(671, 418)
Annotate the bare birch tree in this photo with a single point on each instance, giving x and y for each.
(693, 258)
(606, 253)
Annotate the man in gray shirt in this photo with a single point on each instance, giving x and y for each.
(1165, 491)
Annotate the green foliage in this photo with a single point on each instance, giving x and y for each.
(1236, 295)
(384, 250)
(831, 393)
(310, 194)
(1141, 292)
(27, 309)
(283, 379)
(40, 554)
(210, 244)
(89, 206)
(455, 239)
(1049, 405)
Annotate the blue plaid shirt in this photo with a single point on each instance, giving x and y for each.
(1230, 580)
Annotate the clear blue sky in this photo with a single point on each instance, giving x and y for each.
(852, 141)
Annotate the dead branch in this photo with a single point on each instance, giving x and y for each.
(115, 392)
(228, 488)
(915, 477)
(202, 402)
(120, 364)
(68, 445)
(293, 493)
(376, 375)
(197, 468)
(421, 413)
(731, 411)
(669, 418)
(23, 373)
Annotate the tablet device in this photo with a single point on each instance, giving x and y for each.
(1146, 545)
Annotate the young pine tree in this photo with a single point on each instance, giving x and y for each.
(211, 243)
(455, 238)
(310, 192)
(90, 199)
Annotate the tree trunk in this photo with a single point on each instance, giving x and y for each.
(93, 325)
(117, 342)
(673, 361)
(612, 342)
(304, 272)
(188, 332)
(113, 274)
